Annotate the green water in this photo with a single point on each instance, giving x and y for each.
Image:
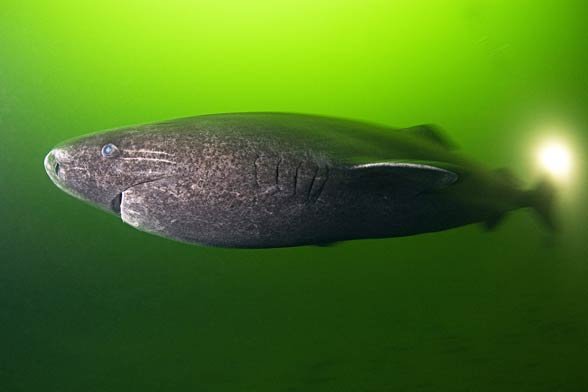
(90, 304)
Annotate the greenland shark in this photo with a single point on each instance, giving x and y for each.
(264, 180)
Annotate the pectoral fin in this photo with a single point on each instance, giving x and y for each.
(406, 177)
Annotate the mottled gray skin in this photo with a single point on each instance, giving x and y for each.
(258, 180)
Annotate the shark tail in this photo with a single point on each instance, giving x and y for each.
(542, 200)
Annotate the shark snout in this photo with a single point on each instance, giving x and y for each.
(52, 165)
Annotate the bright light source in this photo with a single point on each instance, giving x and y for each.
(555, 159)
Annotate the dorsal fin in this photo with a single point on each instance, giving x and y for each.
(431, 133)
(508, 176)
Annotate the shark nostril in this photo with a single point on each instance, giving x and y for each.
(56, 169)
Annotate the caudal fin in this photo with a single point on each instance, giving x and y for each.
(542, 200)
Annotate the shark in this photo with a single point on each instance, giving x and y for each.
(267, 180)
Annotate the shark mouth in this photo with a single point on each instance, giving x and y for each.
(116, 202)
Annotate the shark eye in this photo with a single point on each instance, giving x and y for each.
(109, 150)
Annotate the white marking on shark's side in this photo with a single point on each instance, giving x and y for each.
(149, 152)
(148, 159)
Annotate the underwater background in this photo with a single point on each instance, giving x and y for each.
(88, 303)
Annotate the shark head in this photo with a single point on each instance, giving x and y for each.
(98, 168)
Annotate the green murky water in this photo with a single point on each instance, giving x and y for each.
(90, 304)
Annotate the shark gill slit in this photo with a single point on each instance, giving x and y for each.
(325, 176)
(278, 171)
(296, 178)
(316, 169)
(255, 171)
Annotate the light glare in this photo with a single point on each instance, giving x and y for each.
(556, 159)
